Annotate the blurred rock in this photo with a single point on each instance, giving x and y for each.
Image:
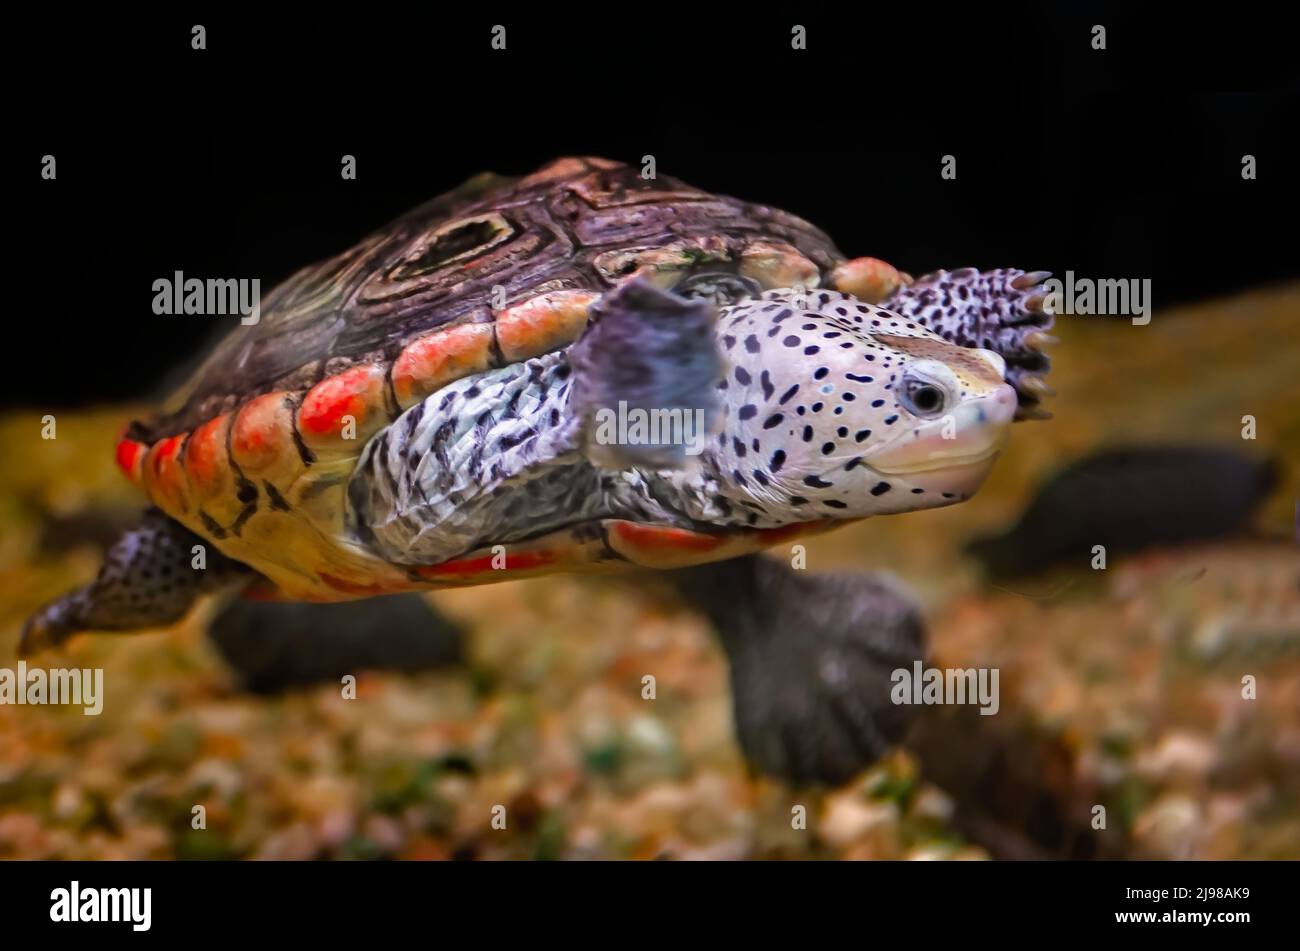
(274, 646)
(1127, 499)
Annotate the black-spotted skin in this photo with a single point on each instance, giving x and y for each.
(810, 402)
(151, 576)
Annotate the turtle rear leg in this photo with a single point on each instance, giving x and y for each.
(277, 645)
(151, 576)
(811, 662)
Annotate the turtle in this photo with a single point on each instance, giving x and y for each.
(585, 369)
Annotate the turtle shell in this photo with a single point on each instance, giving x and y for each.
(255, 451)
(577, 225)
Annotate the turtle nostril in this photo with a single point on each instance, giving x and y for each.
(1005, 401)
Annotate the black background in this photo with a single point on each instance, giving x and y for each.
(225, 162)
(589, 904)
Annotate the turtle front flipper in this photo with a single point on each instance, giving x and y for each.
(645, 351)
(150, 578)
(812, 656)
(1002, 310)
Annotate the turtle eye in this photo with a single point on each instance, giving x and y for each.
(922, 398)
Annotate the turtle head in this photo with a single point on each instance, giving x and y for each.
(950, 411)
(837, 408)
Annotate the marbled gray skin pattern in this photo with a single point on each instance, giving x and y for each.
(493, 456)
(496, 458)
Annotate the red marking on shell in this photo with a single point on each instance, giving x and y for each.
(356, 590)
(465, 567)
(868, 279)
(542, 324)
(436, 359)
(357, 392)
(205, 456)
(164, 476)
(658, 538)
(262, 432)
(129, 453)
(165, 452)
(771, 536)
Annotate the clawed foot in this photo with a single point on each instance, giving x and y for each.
(812, 656)
(53, 624)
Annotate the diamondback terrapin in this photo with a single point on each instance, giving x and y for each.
(583, 370)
